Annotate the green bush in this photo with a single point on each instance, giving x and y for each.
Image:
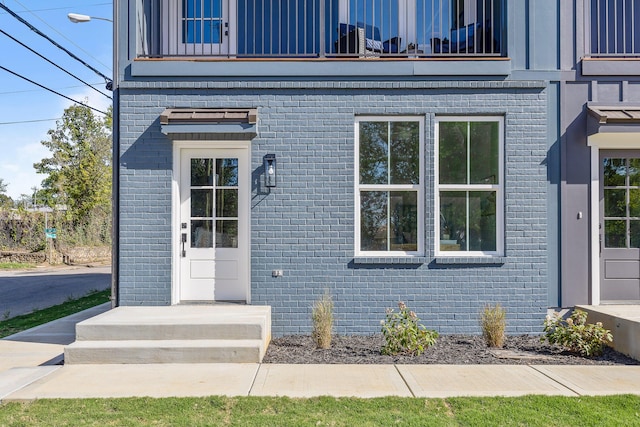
(575, 334)
(403, 333)
(493, 320)
(23, 230)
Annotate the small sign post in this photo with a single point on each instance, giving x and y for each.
(50, 233)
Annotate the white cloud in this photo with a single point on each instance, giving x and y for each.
(20, 177)
(10, 167)
(20, 148)
(23, 184)
(36, 149)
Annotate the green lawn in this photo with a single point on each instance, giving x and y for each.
(27, 321)
(623, 410)
(16, 266)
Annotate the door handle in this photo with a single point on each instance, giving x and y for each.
(600, 238)
(184, 240)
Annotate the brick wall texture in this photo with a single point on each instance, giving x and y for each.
(305, 226)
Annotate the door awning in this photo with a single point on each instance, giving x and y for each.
(209, 123)
(615, 114)
(616, 127)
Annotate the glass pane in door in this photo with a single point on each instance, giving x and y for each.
(227, 234)
(614, 234)
(201, 203)
(614, 203)
(634, 172)
(227, 170)
(621, 202)
(201, 233)
(201, 172)
(201, 21)
(634, 234)
(227, 203)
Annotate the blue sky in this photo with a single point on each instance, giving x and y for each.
(21, 101)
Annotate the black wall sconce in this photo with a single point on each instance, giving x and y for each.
(270, 170)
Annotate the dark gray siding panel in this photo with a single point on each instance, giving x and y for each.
(575, 196)
(553, 163)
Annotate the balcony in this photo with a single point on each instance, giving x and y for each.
(615, 28)
(347, 29)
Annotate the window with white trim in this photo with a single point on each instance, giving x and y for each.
(389, 186)
(469, 186)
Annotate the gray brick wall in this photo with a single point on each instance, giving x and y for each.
(305, 226)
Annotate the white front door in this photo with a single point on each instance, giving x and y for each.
(214, 224)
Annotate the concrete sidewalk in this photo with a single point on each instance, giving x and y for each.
(28, 371)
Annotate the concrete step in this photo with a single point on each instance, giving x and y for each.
(174, 334)
(164, 351)
(226, 329)
(178, 323)
(624, 323)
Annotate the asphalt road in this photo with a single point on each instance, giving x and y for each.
(28, 290)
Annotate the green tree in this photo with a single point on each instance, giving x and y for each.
(79, 170)
(5, 200)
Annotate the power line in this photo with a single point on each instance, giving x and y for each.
(71, 54)
(50, 90)
(12, 92)
(64, 7)
(52, 63)
(26, 10)
(29, 121)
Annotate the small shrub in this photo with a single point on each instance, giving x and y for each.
(404, 334)
(322, 316)
(576, 334)
(493, 321)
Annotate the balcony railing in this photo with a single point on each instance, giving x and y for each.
(615, 28)
(320, 28)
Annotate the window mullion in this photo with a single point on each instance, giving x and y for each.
(469, 187)
(466, 230)
(389, 153)
(468, 153)
(388, 220)
(627, 192)
(394, 187)
(389, 183)
(466, 239)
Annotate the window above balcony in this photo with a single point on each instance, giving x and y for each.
(233, 29)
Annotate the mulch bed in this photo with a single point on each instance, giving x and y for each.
(449, 349)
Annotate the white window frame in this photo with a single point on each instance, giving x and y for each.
(418, 188)
(497, 188)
